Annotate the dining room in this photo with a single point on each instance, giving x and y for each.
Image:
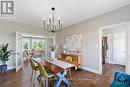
(58, 43)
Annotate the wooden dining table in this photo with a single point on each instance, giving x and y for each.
(59, 68)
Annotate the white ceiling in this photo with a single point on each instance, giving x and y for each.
(70, 11)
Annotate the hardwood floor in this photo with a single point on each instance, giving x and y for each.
(80, 78)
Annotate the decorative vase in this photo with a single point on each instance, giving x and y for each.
(64, 51)
(53, 55)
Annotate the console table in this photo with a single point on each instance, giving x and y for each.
(76, 59)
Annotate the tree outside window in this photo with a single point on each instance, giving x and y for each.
(26, 44)
(38, 44)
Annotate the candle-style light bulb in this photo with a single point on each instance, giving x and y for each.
(55, 26)
(50, 20)
(61, 25)
(47, 26)
(59, 21)
(44, 23)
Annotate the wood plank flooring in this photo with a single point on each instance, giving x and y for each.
(80, 78)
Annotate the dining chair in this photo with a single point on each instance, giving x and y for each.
(45, 75)
(69, 58)
(34, 68)
(26, 54)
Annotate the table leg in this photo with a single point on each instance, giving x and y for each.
(61, 77)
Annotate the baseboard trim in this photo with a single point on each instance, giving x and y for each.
(90, 70)
(110, 62)
(10, 67)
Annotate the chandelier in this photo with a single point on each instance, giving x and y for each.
(51, 24)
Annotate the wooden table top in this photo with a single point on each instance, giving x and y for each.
(53, 67)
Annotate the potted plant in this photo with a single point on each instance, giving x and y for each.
(25, 45)
(53, 51)
(4, 56)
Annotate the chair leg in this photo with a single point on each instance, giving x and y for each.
(32, 75)
(49, 82)
(41, 83)
(35, 74)
(70, 73)
(45, 84)
(52, 81)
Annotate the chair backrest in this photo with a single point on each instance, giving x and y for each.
(25, 53)
(33, 64)
(68, 58)
(42, 70)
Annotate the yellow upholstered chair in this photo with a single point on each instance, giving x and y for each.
(34, 68)
(45, 74)
(69, 58)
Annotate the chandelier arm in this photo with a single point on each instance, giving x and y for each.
(44, 23)
(53, 20)
(59, 23)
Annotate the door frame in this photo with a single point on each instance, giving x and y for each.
(23, 34)
(16, 54)
(127, 45)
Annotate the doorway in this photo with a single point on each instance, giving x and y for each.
(104, 49)
(28, 46)
(113, 44)
(31, 46)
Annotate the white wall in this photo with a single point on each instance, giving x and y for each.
(7, 35)
(90, 31)
(128, 59)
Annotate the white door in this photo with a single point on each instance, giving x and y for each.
(19, 54)
(120, 48)
(50, 41)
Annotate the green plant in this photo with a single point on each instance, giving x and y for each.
(4, 53)
(40, 45)
(25, 45)
(52, 48)
(34, 45)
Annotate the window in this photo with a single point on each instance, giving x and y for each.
(26, 43)
(29, 43)
(38, 43)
